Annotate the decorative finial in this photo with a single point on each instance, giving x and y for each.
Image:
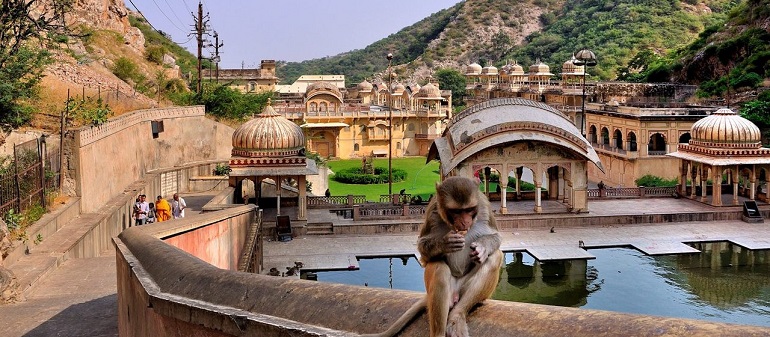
(269, 101)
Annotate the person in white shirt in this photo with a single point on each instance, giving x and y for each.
(141, 209)
(177, 206)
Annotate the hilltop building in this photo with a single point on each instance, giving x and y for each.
(246, 80)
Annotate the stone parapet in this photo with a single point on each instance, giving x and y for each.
(88, 134)
(164, 291)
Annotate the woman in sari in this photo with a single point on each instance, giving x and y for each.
(162, 209)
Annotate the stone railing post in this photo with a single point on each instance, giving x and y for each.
(406, 210)
(350, 200)
(641, 191)
(356, 213)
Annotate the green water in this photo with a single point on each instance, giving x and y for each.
(723, 284)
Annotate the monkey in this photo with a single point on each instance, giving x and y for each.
(293, 271)
(459, 248)
(274, 272)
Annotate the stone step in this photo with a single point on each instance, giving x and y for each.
(320, 229)
(44, 257)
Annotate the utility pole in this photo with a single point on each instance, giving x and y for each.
(216, 54)
(201, 23)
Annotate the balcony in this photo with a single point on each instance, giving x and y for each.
(425, 136)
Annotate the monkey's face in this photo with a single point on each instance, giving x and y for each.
(462, 218)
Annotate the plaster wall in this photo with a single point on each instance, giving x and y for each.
(218, 243)
(106, 158)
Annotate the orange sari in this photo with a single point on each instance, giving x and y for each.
(162, 210)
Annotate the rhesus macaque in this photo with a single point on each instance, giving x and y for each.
(294, 271)
(460, 251)
(274, 272)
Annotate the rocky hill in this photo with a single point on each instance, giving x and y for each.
(496, 31)
(103, 38)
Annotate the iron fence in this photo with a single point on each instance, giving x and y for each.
(25, 178)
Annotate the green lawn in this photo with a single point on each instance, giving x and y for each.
(420, 178)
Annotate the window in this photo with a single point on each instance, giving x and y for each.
(605, 136)
(592, 134)
(356, 147)
(313, 107)
(685, 138)
(632, 142)
(618, 139)
(657, 144)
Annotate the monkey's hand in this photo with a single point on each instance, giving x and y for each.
(479, 254)
(453, 242)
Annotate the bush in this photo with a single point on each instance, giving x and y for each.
(355, 175)
(125, 69)
(222, 170)
(655, 181)
(155, 54)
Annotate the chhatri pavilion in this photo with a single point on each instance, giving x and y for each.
(727, 146)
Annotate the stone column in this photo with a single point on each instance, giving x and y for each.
(553, 183)
(753, 185)
(503, 194)
(716, 194)
(683, 177)
(560, 183)
(693, 175)
(736, 178)
(519, 171)
(278, 194)
(704, 177)
(302, 209)
(538, 201)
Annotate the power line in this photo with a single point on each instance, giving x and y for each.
(167, 18)
(173, 12)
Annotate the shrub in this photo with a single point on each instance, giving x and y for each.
(155, 54)
(222, 170)
(355, 175)
(125, 69)
(655, 181)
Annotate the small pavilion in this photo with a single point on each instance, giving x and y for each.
(271, 147)
(508, 135)
(727, 149)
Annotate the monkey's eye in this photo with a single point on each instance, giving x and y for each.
(458, 211)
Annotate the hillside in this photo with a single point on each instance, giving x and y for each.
(493, 31)
(111, 53)
(734, 54)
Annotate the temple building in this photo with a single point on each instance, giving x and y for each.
(632, 126)
(724, 148)
(269, 153)
(510, 135)
(355, 122)
(251, 80)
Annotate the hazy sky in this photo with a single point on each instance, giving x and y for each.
(290, 30)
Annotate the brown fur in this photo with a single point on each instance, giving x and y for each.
(460, 271)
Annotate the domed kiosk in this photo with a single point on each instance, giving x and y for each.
(271, 147)
(723, 144)
(508, 135)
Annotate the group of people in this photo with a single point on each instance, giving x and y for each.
(161, 210)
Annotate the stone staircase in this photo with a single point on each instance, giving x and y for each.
(322, 228)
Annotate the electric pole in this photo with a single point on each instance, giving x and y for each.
(201, 23)
(216, 54)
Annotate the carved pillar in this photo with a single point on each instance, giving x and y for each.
(302, 209)
(519, 171)
(716, 194)
(553, 182)
(538, 201)
(560, 184)
(278, 194)
(736, 179)
(704, 177)
(503, 194)
(693, 175)
(683, 177)
(753, 180)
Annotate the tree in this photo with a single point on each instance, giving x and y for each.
(22, 23)
(451, 79)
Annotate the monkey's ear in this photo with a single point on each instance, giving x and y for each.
(438, 184)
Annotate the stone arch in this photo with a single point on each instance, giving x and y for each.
(618, 135)
(632, 142)
(657, 143)
(684, 138)
(605, 136)
(592, 134)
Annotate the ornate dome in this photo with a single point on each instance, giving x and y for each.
(473, 69)
(322, 86)
(430, 91)
(513, 69)
(268, 135)
(540, 68)
(364, 86)
(489, 70)
(398, 89)
(725, 129)
(569, 67)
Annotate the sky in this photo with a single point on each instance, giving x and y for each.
(285, 30)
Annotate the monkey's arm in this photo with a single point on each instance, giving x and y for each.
(487, 243)
(435, 238)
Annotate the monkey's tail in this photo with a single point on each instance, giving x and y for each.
(402, 321)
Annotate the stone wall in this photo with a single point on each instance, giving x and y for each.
(103, 160)
(164, 291)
